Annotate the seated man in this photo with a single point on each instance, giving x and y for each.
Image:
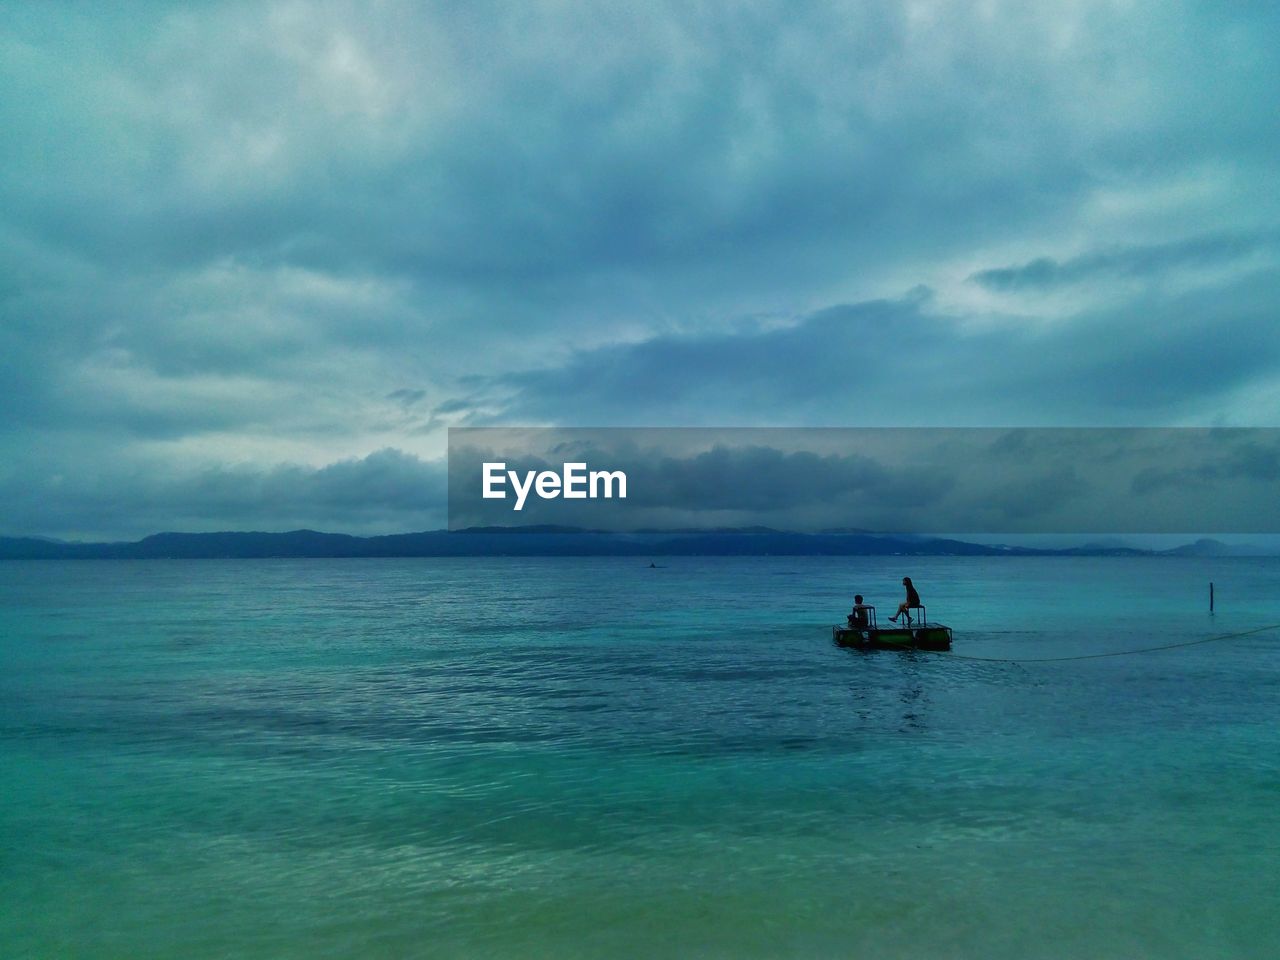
(860, 617)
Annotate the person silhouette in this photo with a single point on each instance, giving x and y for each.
(861, 615)
(913, 600)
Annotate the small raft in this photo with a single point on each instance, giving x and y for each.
(917, 634)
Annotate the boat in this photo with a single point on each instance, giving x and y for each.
(917, 634)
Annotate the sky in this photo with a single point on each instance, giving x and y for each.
(256, 258)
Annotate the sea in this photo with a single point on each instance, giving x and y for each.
(595, 758)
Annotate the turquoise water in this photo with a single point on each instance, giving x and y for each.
(588, 758)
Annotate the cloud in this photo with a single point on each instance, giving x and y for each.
(973, 480)
(238, 233)
(1257, 461)
(387, 491)
(1134, 261)
(904, 361)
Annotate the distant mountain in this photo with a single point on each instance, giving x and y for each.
(702, 531)
(551, 541)
(1206, 547)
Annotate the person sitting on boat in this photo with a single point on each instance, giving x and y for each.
(913, 600)
(861, 615)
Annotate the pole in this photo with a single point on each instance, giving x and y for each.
(1211, 596)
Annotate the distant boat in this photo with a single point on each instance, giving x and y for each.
(917, 635)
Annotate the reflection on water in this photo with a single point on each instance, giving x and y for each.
(590, 758)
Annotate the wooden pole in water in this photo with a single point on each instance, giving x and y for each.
(1211, 596)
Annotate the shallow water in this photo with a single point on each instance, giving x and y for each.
(588, 758)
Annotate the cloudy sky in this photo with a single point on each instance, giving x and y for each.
(991, 481)
(255, 258)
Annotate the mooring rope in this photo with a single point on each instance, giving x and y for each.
(1114, 653)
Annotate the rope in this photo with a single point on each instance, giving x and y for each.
(1116, 653)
